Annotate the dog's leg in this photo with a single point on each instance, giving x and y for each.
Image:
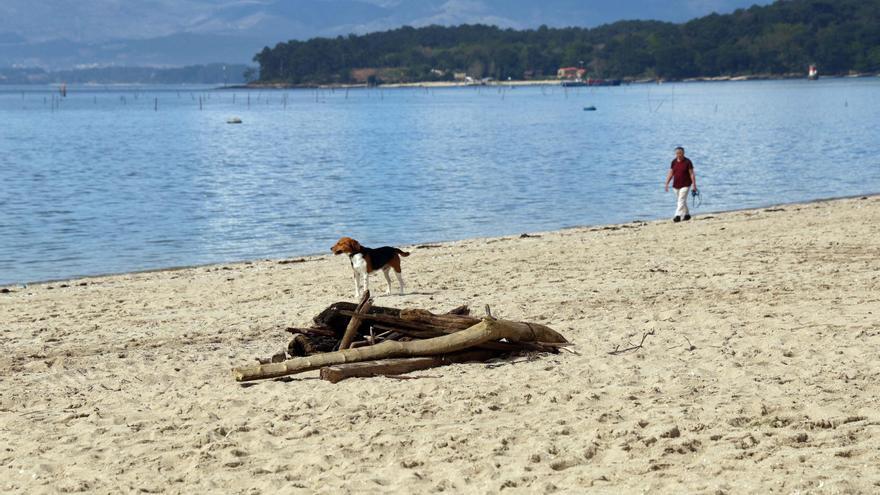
(360, 274)
(399, 282)
(387, 279)
(357, 284)
(366, 278)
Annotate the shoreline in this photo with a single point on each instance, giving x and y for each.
(544, 82)
(14, 286)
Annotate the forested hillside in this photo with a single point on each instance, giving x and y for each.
(840, 36)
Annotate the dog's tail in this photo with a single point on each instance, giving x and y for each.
(401, 252)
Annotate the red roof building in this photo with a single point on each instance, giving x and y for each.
(571, 73)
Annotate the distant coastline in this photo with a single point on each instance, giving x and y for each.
(537, 82)
(216, 73)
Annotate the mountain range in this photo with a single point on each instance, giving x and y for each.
(60, 34)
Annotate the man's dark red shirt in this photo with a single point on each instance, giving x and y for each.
(681, 172)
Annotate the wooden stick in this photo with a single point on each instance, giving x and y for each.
(410, 332)
(332, 319)
(485, 331)
(420, 320)
(492, 346)
(617, 350)
(384, 367)
(351, 330)
(424, 321)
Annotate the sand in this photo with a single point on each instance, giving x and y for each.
(761, 374)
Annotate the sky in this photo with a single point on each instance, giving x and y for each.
(47, 28)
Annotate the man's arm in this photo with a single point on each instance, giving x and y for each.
(668, 178)
(693, 178)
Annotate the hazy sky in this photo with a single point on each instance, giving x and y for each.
(102, 20)
(55, 34)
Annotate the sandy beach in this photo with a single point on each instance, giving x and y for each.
(760, 376)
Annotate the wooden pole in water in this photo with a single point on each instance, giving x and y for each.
(156, 104)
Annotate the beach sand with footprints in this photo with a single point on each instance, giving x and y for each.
(757, 371)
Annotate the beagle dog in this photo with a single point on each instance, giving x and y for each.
(365, 260)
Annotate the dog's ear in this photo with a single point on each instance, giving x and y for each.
(355, 245)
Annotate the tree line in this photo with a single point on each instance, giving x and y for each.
(839, 36)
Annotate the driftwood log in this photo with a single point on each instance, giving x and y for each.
(332, 318)
(306, 343)
(485, 331)
(391, 367)
(351, 340)
(332, 323)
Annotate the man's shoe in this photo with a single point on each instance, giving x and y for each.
(676, 219)
(686, 217)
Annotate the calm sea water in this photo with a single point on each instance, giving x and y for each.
(124, 179)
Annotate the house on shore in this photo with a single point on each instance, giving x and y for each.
(571, 73)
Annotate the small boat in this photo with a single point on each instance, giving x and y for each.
(812, 73)
(590, 108)
(233, 120)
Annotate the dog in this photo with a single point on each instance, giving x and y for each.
(365, 261)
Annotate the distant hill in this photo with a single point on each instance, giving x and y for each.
(196, 74)
(840, 36)
(168, 51)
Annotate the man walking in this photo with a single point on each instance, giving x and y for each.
(681, 173)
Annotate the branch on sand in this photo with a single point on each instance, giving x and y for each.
(617, 350)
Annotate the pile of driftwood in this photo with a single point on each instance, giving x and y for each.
(358, 340)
